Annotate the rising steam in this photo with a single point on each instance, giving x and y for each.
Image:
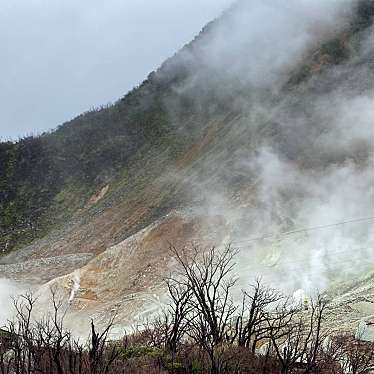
(75, 285)
(303, 155)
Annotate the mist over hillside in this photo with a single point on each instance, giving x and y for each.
(292, 157)
(258, 133)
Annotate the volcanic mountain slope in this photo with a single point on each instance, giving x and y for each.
(261, 126)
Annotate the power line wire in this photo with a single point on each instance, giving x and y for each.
(301, 261)
(306, 229)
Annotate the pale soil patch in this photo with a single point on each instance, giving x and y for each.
(99, 195)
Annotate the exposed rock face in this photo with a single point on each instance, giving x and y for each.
(42, 270)
(365, 330)
(128, 278)
(96, 197)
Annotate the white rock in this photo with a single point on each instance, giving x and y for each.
(365, 330)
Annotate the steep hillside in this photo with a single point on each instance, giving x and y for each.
(44, 179)
(253, 130)
(45, 176)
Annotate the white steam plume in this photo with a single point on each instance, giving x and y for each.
(304, 156)
(8, 289)
(75, 285)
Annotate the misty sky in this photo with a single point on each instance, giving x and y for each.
(62, 57)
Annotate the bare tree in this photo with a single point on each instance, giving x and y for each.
(251, 325)
(357, 356)
(177, 317)
(21, 333)
(50, 338)
(317, 334)
(207, 276)
(46, 346)
(297, 336)
(101, 357)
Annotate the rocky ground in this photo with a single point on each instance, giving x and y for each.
(127, 279)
